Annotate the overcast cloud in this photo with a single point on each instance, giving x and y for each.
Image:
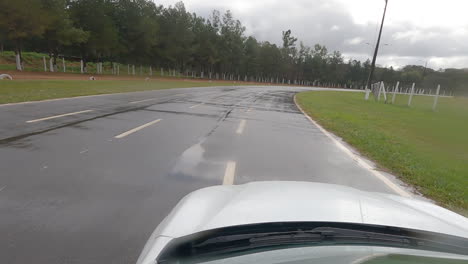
(415, 30)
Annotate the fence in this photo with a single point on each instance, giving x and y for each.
(380, 92)
(120, 69)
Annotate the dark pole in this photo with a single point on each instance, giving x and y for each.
(425, 69)
(371, 74)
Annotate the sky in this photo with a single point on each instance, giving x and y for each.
(415, 31)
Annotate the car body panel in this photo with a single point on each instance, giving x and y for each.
(275, 201)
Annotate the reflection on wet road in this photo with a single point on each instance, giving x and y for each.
(79, 186)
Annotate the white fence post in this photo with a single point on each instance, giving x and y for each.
(81, 66)
(19, 65)
(382, 88)
(51, 65)
(395, 91)
(436, 99)
(45, 64)
(367, 94)
(379, 91)
(411, 95)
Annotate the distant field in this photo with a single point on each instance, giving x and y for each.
(426, 149)
(34, 90)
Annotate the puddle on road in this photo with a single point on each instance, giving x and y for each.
(194, 167)
(189, 160)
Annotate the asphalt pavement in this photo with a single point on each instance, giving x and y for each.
(86, 180)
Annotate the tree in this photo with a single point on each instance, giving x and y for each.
(22, 19)
(176, 47)
(289, 53)
(61, 31)
(137, 25)
(251, 62)
(95, 17)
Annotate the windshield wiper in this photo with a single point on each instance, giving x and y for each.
(274, 236)
(326, 234)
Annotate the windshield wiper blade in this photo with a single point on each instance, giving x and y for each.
(270, 236)
(321, 236)
(318, 235)
(328, 235)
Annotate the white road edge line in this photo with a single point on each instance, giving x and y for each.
(57, 116)
(137, 129)
(241, 127)
(195, 106)
(229, 173)
(356, 158)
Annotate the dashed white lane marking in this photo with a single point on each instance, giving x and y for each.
(367, 258)
(195, 106)
(84, 151)
(241, 127)
(137, 129)
(57, 116)
(1, 189)
(230, 173)
(141, 101)
(356, 158)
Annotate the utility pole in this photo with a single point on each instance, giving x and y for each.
(425, 69)
(376, 51)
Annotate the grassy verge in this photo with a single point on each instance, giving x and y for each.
(426, 149)
(34, 90)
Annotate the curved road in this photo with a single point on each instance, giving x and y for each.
(86, 180)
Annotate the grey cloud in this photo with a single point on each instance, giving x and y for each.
(329, 23)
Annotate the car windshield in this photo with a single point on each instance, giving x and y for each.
(338, 255)
(126, 125)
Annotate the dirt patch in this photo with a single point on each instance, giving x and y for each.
(17, 75)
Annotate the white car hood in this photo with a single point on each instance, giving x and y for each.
(266, 202)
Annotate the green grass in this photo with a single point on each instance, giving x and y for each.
(424, 148)
(34, 90)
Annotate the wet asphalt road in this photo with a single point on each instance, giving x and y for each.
(71, 192)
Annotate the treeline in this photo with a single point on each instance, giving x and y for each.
(140, 32)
